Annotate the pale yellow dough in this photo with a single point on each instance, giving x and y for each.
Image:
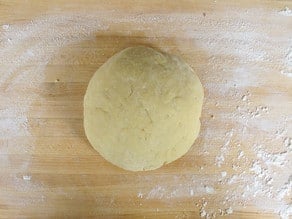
(142, 109)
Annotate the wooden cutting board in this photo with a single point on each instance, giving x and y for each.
(240, 165)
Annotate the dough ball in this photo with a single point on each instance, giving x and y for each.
(142, 109)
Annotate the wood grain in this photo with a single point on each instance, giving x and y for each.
(68, 178)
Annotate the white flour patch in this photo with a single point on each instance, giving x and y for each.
(10, 126)
(288, 74)
(26, 177)
(287, 71)
(5, 26)
(209, 190)
(286, 12)
(192, 192)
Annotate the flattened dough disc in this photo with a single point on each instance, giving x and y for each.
(142, 109)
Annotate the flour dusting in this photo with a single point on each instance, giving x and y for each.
(250, 156)
(288, 60)
(286, 11)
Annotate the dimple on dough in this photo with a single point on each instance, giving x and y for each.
(142, 109)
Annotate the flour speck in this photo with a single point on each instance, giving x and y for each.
(26, 177)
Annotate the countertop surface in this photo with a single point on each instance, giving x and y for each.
(239, 167)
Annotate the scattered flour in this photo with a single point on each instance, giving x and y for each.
(224, 149)
(19, 49)
(286, 12)
(20, 46)
(157, 192)
(239, 52)
(203, 213)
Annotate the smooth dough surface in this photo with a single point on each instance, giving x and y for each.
(142, 109)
